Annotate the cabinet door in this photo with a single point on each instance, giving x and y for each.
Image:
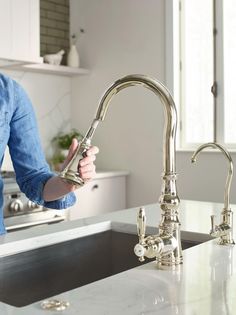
(19, 30)
(100, 196)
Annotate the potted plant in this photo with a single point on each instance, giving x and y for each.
(63, 140)
(57, 160)
(62, 143)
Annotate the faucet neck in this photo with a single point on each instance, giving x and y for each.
(214, 145)
(169, 112)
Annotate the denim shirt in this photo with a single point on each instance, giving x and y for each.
(18, 130)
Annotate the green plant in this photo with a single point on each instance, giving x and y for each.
(56, 161)
(57, 158)
(63, 140)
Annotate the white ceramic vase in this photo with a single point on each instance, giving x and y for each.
(73, 57)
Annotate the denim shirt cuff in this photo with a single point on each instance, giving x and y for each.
(62, 203)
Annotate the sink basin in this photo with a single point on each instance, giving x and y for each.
(40, 273)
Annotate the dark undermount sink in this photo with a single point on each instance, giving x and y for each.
(37, 274)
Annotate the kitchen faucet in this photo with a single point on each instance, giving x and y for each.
(166, 246)
(225, 229)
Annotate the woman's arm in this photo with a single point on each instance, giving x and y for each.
(56, 188)
(33, 174)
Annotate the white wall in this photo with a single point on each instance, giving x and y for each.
(124, 37)
(51, 99)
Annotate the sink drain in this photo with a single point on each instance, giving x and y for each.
(54, 305)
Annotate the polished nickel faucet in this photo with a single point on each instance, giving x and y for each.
(166, 246)
(225, 229)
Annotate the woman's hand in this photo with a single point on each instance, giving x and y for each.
(86, 167)
(56, 187)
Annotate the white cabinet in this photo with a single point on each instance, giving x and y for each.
(20, 30)
(101, 195)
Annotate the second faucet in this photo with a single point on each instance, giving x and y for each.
(225, 229)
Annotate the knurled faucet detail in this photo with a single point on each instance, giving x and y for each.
(169, 228)
(225, 229)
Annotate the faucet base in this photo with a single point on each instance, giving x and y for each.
(169, 260)
(226, 242)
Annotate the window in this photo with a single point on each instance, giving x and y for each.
(229, 61)
(204, 77)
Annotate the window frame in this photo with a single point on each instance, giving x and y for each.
(173, 68)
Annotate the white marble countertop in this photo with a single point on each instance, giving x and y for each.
(204, 284)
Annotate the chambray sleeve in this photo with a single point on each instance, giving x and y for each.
(32, 170)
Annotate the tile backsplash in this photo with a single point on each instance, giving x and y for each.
(54, 26)
(51, 99)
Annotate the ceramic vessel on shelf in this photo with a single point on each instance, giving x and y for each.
(73, 57)
(54, 59)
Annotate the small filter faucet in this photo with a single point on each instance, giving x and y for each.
(225, 229)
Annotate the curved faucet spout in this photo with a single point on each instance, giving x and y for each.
(230, 170)
(169, 108)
